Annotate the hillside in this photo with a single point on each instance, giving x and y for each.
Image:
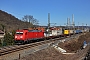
(11, 22)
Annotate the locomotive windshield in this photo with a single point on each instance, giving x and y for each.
(19, 32)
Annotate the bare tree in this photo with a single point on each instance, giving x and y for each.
(35, 22)
(25, 18)
(30, 19)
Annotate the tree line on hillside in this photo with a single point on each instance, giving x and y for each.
(12, 23)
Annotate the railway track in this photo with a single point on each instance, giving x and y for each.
(11, 49)
(15, 48)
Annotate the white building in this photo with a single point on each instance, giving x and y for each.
(1, 34)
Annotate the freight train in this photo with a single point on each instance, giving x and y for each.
(25, 35)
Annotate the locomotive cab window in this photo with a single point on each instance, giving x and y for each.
(19, 33)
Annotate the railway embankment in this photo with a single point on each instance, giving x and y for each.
(30, 49)
(72, 46)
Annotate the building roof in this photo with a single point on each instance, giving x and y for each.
(1, 31)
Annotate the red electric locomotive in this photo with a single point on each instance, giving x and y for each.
(25, 35)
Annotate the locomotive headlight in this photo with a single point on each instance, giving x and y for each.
(15, 36)
(21, 37)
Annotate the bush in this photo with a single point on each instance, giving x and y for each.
(9, 38)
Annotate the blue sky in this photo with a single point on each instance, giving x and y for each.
(59, 10)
